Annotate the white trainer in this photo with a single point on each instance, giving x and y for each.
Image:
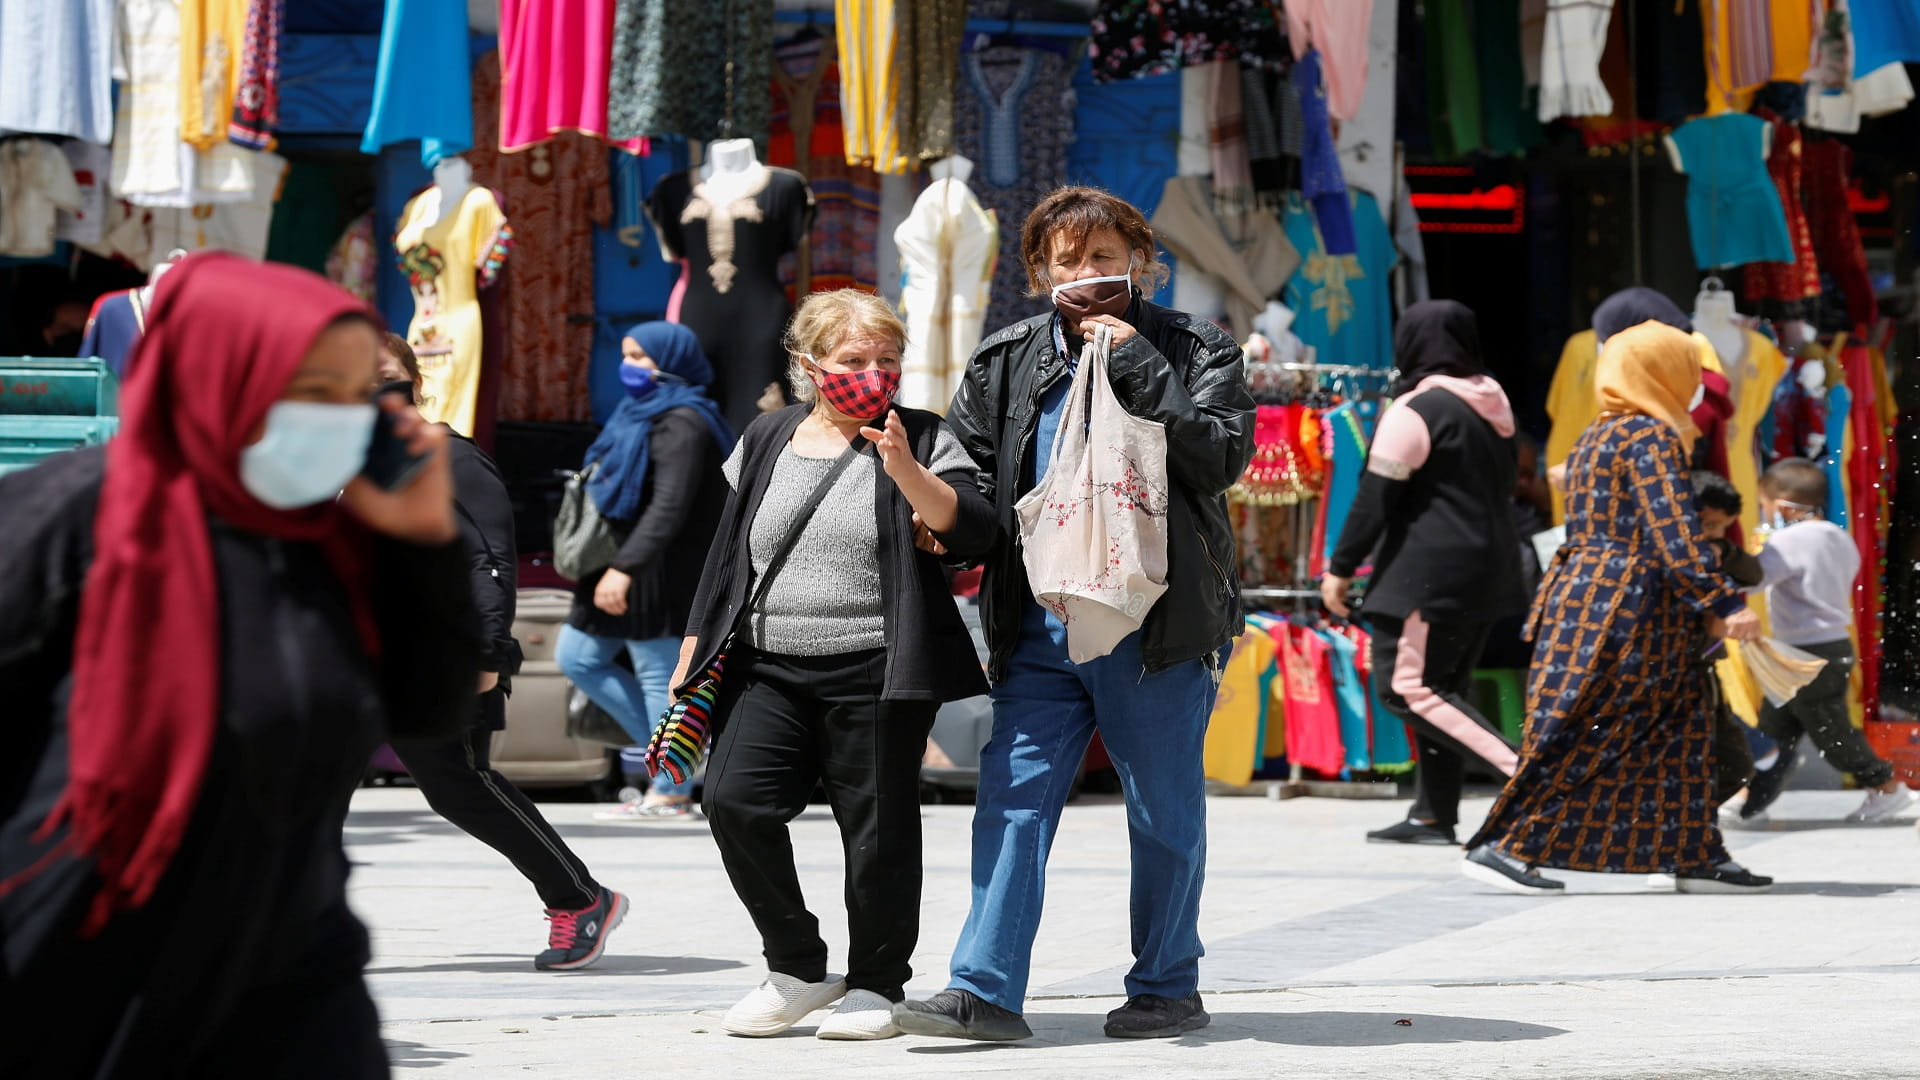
(781, 1002)
(862, 1014)
(1883, 805)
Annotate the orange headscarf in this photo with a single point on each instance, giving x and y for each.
(1652, 370)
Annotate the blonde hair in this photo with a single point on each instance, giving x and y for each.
(827, 319)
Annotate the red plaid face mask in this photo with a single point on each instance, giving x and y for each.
(863, 395)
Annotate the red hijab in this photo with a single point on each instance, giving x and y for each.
(225, 338)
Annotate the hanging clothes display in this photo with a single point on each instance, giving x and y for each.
(1510, 124)
(152, 164)
(85, 224)
(1872, 433)
(242, 227)
(898, 79)
(448, 255)
(697, 70)
(1734, 215)
(1670, 73)
(256, 98)
(1740, 46)
(36, 184)
(733, 300)
(1246, 254)
(1231, 753)
(1836, 235)
(422, 88)
(1133, 39)
(807, 136)
(1013, 115)
(1573, 40)
(1884, 32)
(1343, 304)
(1321, 180)
(1454, 118)
(555, 58)
(213, 35)
(73, 38)
(947, 248)
(1366, 142)
(558, 190)
(1337, 30)
(1780, 290)
(1753, 376)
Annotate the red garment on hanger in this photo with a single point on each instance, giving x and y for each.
(1795, 281)
(1313, 719)
(1836, 236)
(1868, 469)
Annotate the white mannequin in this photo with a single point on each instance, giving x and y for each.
(954, 168)
(452, 178)
(1813, 378)
(1713, 314)
(730, 171)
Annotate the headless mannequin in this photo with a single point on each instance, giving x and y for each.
(1713, 316)
(730, 169)
(452, 178)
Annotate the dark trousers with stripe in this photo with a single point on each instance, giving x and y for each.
(1424, 671)
(462, 786)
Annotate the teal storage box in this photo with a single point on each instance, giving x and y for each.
(25, 440)
(35, 386)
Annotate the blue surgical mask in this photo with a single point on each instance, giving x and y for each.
(308, 453)
(639, 381)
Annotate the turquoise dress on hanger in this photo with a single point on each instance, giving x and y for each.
(1733, 208)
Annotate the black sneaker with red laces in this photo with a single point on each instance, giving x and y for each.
(577, 938)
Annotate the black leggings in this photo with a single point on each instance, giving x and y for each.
(1820, 710)
(461, 785)
(787, 724)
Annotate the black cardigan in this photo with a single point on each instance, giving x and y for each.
(664, 548)
(930, 656)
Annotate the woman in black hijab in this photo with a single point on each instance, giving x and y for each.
(1633, 306)
(1434, 502)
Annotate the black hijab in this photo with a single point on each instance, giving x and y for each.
(1435, 337)
(1631, 307)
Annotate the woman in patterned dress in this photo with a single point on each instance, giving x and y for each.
(1616, 773)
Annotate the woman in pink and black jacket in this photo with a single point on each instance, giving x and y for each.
(1433, 512)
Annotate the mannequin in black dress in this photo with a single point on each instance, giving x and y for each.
(732, 219)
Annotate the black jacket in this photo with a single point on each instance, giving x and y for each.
(486, 529)
(930, 656)
(1185, 373)
(1445, 533)
(665, 548)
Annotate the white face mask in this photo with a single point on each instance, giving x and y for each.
(308, 453)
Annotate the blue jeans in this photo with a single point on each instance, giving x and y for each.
(635, 699)
(1044, 715)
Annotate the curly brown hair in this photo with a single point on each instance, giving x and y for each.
(1077, 213)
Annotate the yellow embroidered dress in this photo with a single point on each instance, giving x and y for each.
(448, 258)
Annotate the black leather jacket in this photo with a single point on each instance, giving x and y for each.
(1185, 373)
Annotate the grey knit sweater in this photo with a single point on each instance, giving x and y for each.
(826, 598)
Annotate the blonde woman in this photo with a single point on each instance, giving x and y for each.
(848, 643)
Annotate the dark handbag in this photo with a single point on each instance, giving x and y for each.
(583, 541)
(680, 739)
(589, 722)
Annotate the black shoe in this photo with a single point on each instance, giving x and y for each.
(960, 1014)
(1727, 878)
(1490, 867)
(1767, 784)
(577, 938)
(1150, 1016)
(1413, 832)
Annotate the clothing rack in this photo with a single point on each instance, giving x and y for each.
(1019, 27)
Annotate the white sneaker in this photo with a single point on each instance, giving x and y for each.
(781, 1002)
(862, 1014)
(1883, 805)
(626, 811)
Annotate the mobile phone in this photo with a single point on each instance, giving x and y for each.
(390, 465)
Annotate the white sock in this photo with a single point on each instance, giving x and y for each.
(1768, 762)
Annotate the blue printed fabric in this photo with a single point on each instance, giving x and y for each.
(1321, 180)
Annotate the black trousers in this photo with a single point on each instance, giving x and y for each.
(461, 785)
(1732, 753)
(1423, 672)
(788, 723)
(1820, 711)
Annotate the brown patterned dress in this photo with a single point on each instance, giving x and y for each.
(1616, 773)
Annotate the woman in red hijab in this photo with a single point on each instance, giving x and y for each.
(205, 628)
